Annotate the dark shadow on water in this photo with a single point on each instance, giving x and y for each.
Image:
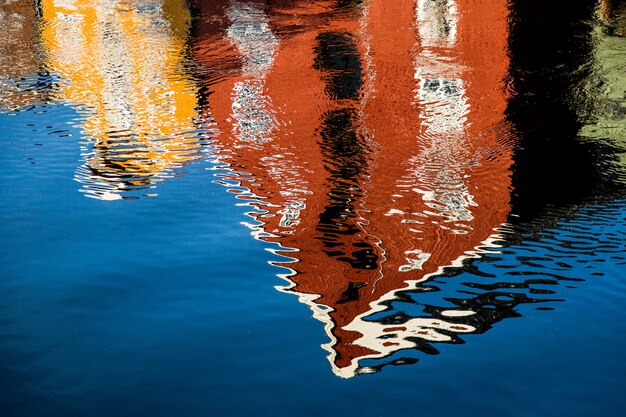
(564, 188)
(551, 79)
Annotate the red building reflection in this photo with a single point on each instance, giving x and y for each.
(372, 139)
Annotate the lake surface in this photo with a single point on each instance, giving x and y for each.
(281, 208)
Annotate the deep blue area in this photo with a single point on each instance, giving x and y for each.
(166, 306)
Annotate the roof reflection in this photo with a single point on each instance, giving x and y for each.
(375, 166)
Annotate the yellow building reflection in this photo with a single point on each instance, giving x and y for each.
(121, 63)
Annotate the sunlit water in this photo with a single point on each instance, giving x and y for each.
(239, 207)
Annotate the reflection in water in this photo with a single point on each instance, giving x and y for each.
(548, 104)
(558, 76)
(412, 142)
(547, 242)
(444, 109)
(490, 289)
(344, 152)
(452, 192)
(122, 63)
(250, 33)
(607, 124)
(21, 83)
(419, 164)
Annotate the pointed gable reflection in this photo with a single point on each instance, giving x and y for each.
(385, 156)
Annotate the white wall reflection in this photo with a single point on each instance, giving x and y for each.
(251, 34)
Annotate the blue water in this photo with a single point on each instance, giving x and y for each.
(179, 315)
(162, 303)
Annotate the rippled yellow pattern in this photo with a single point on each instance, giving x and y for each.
(122, 62)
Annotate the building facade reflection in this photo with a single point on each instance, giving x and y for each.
(372, 167)
(121, 64)
(21, 85)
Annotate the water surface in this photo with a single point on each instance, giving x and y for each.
(241, 207)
